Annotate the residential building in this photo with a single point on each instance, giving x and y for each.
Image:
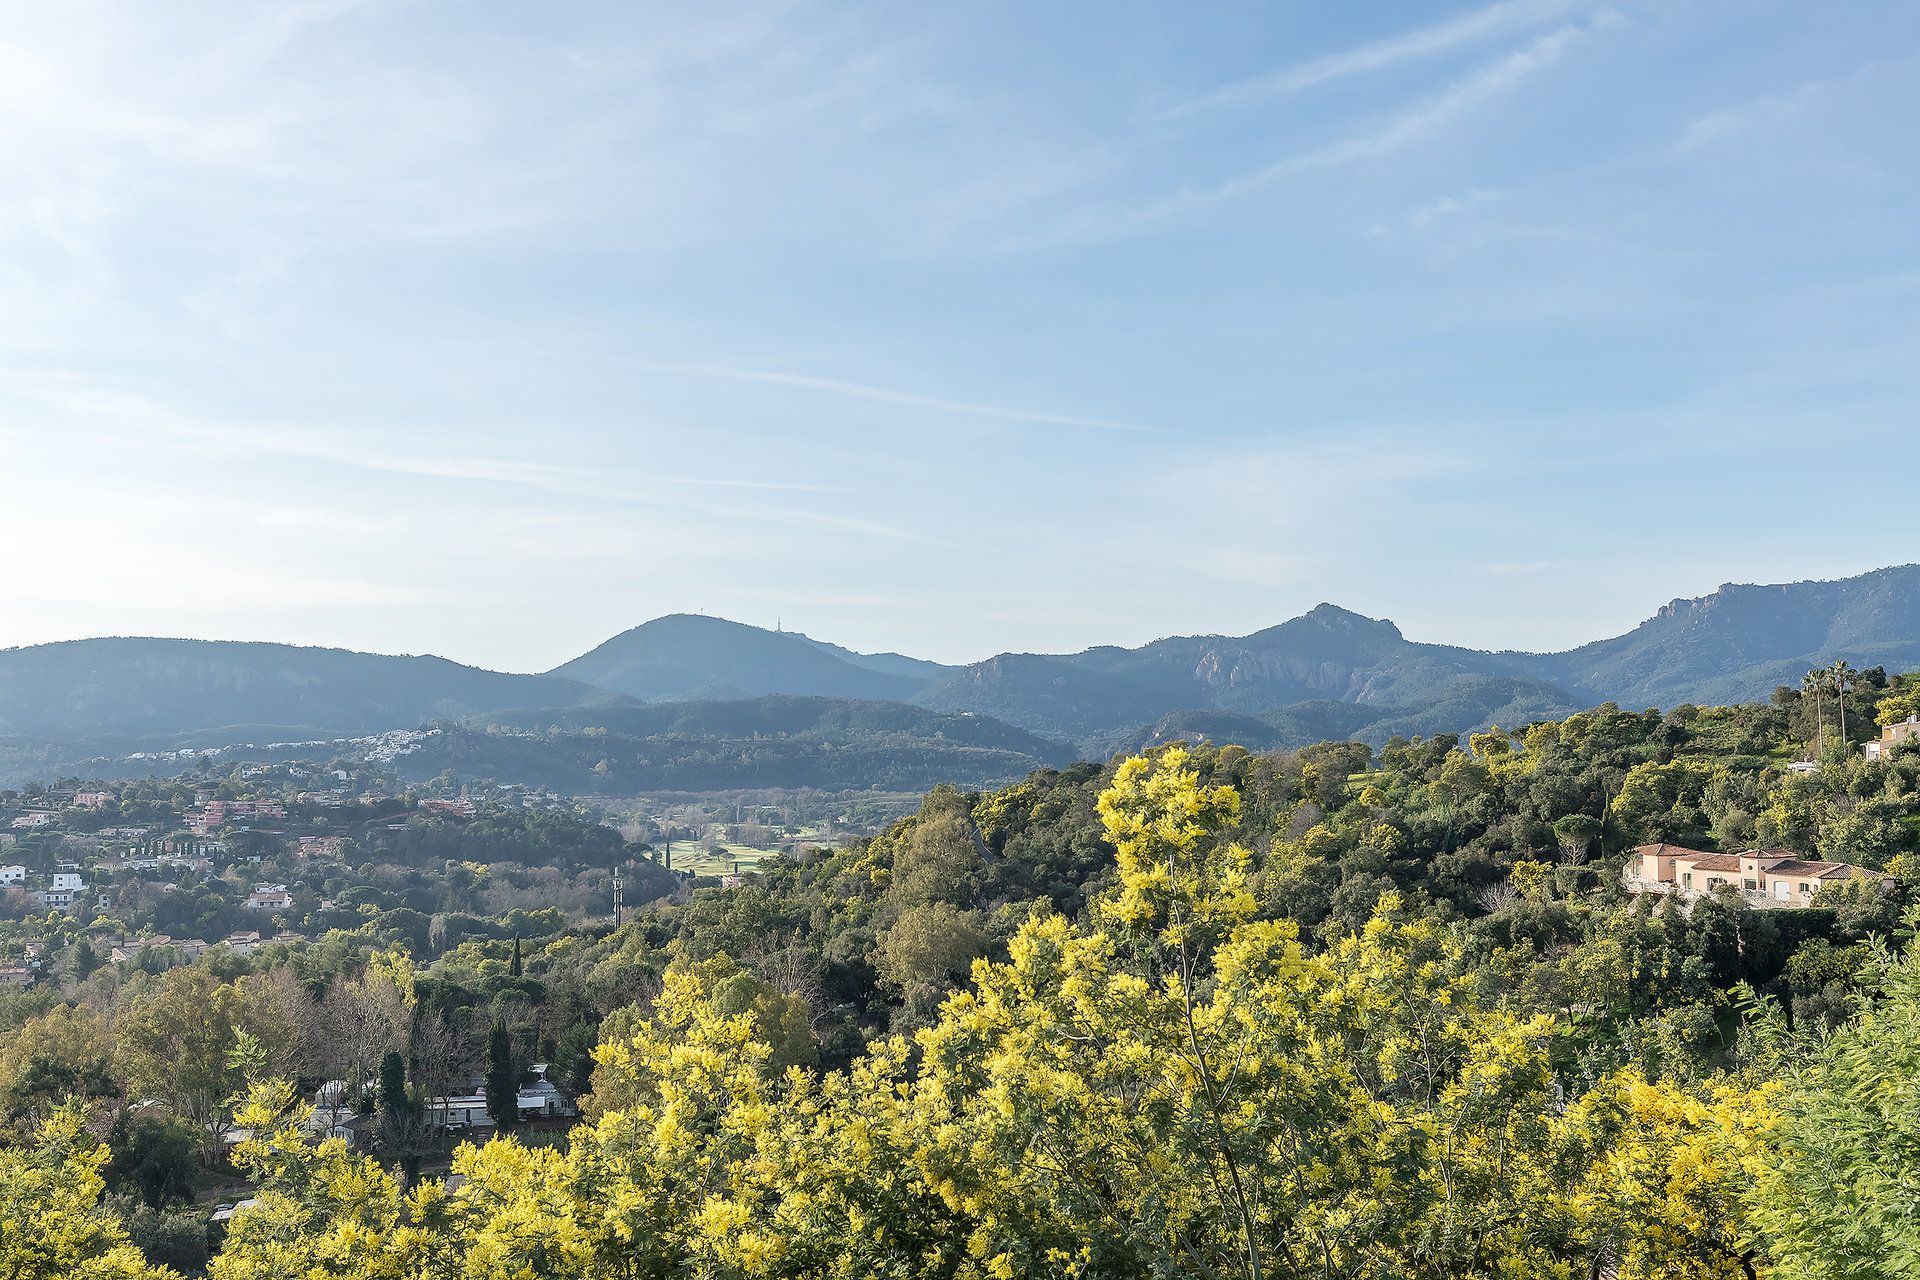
(1894, 735)
(12, 877)
(242, 941)
(460, 1111)
(68, 880)
(59, 898)
(541, 1099)
(92, 799)
(1763, 877)
(269, 897)
(33, 821)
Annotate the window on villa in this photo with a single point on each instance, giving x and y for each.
(1689, 879)
(1747, 884)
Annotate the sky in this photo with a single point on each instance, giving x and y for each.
(493, 329)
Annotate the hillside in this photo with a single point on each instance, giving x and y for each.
(688, 656)
(1286, 677)
(1328, 673)
(230, 690)
(828, 743)
(1736, 644)
(1742, 641)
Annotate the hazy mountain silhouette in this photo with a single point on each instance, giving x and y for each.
(139, 686)
(691, 656)
(1328, 673)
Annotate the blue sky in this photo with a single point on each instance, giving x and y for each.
(491, 329)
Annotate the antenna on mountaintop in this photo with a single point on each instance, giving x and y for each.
(777, 620)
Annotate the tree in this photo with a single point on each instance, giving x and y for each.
(513, 965)
(439, 1054)
(503, 1077)
(52, 1224)
(367, 1015)
(1815, 684)
(1837, 1198)
(153, 1158)
(927, 948)
(65, 1054)
(1842, 673)
(400, 1116)
(1577, 833)
(173, 1045)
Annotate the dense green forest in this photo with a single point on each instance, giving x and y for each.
(1333, 1012)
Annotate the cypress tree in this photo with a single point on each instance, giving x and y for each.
(513, 966)
(503, 1081)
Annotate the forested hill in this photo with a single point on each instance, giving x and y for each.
(140, 686)
(828, 743)
(1741, 641)
(1327, 674)
(1326, 1014)
(1334, 672)
(691, 656)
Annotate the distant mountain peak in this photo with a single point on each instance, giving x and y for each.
(1332, 620)
(1333, 615)
(694, 655)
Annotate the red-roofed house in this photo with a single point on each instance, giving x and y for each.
(1764, 877)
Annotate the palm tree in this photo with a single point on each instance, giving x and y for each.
(1816, 684)
(1842, 672)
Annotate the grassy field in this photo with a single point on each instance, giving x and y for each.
(702, 861)
(698, 860)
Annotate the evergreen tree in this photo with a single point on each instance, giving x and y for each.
(503, 1080)
(513, 966)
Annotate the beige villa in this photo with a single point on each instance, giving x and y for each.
(1893, 735)
(1764, 877)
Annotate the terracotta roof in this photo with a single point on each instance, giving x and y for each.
(1668, 851)
(1781, 862)
(1716, 862)
(1800, 867)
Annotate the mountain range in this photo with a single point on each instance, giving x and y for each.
(1329, 673)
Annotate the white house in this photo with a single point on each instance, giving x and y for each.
(460, 1111)
(269, 897)
(70, 881)
(541, 1099)
(12, 877)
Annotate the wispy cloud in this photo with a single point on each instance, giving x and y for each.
(1743, 117)
(908, 399)
(1424, 42)
(127, 413)
(1415, 124)
(1428, 213)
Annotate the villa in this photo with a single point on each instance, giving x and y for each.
(1763, 877)
(1894, 735)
